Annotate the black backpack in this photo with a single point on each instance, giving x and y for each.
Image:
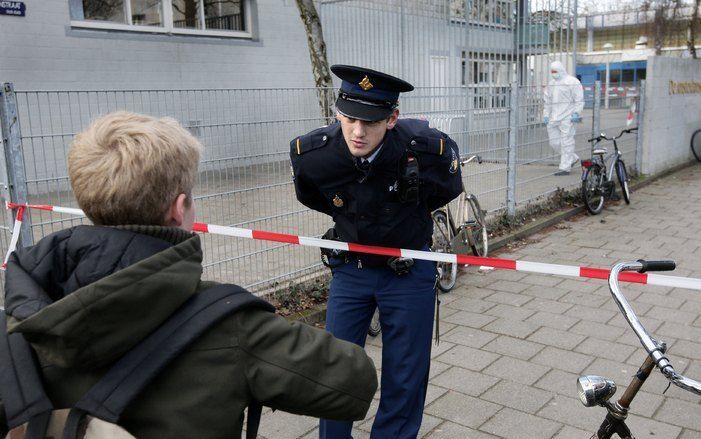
(30, 413)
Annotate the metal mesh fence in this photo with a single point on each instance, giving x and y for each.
(244, 177)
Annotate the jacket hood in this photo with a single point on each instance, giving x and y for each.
(560, 68)
(84, 296)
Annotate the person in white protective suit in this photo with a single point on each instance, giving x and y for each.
(564, 101)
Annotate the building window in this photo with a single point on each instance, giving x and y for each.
(488, 76)
(489, 12)
(205, 17)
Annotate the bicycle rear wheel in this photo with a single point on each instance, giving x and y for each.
(477, 228)
(375, 327)
(442, 237)
(696, 144)
(623, 180)
(592, 189)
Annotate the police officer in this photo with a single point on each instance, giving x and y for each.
(379, 178)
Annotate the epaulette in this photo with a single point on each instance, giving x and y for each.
(433, 145)
(313, 140)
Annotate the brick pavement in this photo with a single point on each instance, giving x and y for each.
(513, 343)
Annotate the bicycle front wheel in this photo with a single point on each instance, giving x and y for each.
(623, 180)
(592, 189)
(442, 237)
(375, 328)
(477, 228)
(696, 144)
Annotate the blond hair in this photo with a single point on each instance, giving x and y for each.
(128, 168)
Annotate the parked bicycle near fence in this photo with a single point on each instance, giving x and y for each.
(696, 144)
(597, 173)
(596, 390)
(465, 223)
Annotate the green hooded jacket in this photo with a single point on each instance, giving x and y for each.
(84, 296)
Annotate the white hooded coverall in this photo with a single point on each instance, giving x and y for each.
(563, 97)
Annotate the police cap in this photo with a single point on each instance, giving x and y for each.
(367, 94)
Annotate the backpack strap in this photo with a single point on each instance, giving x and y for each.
(110, 396)
(21, 387)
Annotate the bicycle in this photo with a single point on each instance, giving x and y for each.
(696, 144)
(595, 390)
(466, 223)
(597, 177)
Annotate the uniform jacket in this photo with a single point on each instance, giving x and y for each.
(365, 205)
(563, 96)
(83, 296)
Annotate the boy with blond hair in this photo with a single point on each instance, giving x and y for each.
(84, 296)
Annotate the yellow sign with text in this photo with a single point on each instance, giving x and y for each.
(684, 88)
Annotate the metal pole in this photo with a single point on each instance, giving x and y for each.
(596, 112)
(641, 126)
(575, 38)
(16, 185)
(511, 157)
(608, 81)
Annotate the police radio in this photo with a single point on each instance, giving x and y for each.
(409, 179)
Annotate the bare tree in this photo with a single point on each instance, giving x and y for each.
(691, 30)
(665, 20)
(317, 54)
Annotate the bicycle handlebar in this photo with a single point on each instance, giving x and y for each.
(463, 162)
(602, 136)
(653, 348)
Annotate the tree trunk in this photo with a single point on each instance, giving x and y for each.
(659, 29)
(691, 31)
(317, 54)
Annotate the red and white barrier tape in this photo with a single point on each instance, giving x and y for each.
(508, 264)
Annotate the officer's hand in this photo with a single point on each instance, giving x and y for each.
(576, 118)
(546, 120)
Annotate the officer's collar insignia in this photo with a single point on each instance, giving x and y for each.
(365, 83)
(454, 163)
(337, 201)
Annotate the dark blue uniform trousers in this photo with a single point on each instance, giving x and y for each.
(406, 305)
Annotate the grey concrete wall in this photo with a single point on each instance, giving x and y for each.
(669, 119)
(43, 51)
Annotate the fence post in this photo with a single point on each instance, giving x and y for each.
(596, 112)
(15, 189)
(639, 137)
(511, 157)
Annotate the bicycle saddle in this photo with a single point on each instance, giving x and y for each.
(601, 151)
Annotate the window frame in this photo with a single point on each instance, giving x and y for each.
(168, 28)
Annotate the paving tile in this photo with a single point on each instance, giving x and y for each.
(605, 349)
(564, 360)
(598, 330)
(551, 320)
(542, 280)
(462, 409)
(517, 396)
(545, 292)
(465, 381)
(472, 305)
(557, 338)
(568, 432)
(510, 312)
(468, 358)
(678, 412)
(451, 430)
(559, 381)
(546, 305)
(513, 347)
(508, 286)
(570, 411)
(514, 328)
(513, 424)
(473, 320)
(644, 428)
(592, 314)
(516, 370)
(475, 338)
